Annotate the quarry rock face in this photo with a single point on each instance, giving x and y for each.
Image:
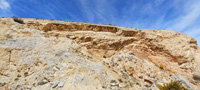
(58, 55)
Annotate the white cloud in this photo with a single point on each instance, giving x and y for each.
(193, 12)
(193, 32)
(158, 2)
(4, 5)
(5, 8)
(187, 22)
(98, 11)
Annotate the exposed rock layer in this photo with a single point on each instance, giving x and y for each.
(49, 54)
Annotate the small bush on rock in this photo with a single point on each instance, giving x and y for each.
(162, 66)
(173, 85)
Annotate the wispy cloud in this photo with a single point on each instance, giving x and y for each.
(179, 15)
(97, 11)
(4, 5)
(194, 32)
(188, 21)
(158, 2)
(182, 22)
(5, 8)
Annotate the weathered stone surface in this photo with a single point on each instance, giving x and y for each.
(59, 55)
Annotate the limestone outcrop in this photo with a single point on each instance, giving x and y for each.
(59, 55)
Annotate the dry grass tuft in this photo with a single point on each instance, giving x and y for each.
(173, 85)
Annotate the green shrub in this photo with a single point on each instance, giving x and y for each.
(173, 85)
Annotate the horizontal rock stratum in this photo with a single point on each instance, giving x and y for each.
(38, 54)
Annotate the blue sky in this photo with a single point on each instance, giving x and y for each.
(178, 15)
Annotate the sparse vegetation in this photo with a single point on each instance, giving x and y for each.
(18, 20)
(161, 66)
(173, 85)
(172, 71)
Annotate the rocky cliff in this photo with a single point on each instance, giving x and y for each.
(40, 54)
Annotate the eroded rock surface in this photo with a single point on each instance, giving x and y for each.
(60, 55)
